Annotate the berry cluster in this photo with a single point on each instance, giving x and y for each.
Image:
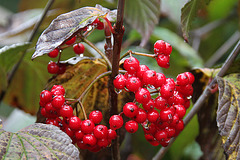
(78, 48)
(160, 117)
(87, 134)
(162, 50)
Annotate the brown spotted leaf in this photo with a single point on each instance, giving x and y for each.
(37, 141)
(65, 26)
(228, 114)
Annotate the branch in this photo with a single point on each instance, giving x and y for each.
(206, 93)
(113, 103)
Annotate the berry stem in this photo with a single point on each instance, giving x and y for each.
(201, 100)
(83, 109)
(99, 51)
(138, 53)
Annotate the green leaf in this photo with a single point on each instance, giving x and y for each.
(228, 114)
(143, 15)
(37, 141)
(65, 26)
(178, 43)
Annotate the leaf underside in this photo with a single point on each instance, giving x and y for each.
(228, 114)
(37, 141)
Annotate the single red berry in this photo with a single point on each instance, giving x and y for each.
(186, 90)
(52, 68)
(175, 120)
(187, 103)
(166, 91)
(116, 122)
(161, 135)
(141, 116)
(130, 109)
(161, 103)
(87, 126)
(160, 80)
(190, 77)
(149, 128)
(141, 70)
(89, 140)
(112, 134)
(128, 75)
(49, 108)
(78, 48)
(120, 81)
(103, 142)
(182, 79)
(62, 68)
(100, 131)
(82, 145)
(58, 90)
(170, 131)
(163, 60)
(96, 116)
(131, 65)
(165, 142)
(149, 137)
(149, 105)
(52, 122)
(142, 96)
(149, 77)
(133, 84)
(159, 47)
(43, 112)
(79, 135)
(45, 96)
(180, 110)
(153, 116)
(69, 132)
(71, 41)
(154, 143)
(131, 126)
(58, 101)
(166, 115)
(99, 24)
(74, 123)
(178, 98)
(53, 53)
(170, 81)
(180, 125)
(66, 111)
(168, 50)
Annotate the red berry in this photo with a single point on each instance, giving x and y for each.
(128, 75)
(161, 103)
(99, 24)
(186, 90)
(133, 84)
(131, 65)
(112, 134)
(116, 122)
(141, 116)
(82, 145)
(160, 80)
(78, 48)
(166, 115)
(154, 143)
(166, 91)
(149, 128)
(131, 126)
(79, 135)
(142, 96)
(49, 108)
(161, 135)
(71, 41)
(168, 50)
(130, 109)
(87, 126)
(100, 131)
(89, 140)
(120, 81)
(149, 137)
(69, 132)
(53, 53)
(96, 116)
(74, 123)
(153, 116)
(43, 112)
(182, 79)
(45, 96)
(163, 60)
(170, 131)
(66, 111)
(149, 105)
(103, 142)
(190, 77)
(159, 47)
(175, 120)
(52, 121)
(149, 77)
(180, 110)
(180, 125)
(187, 103)
(165, 142)
(58, 101)
(58, 90)
(52, 68)
(141, 70)
(178, 98)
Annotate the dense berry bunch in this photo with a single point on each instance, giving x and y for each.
(88, 133)
(160, 117)
(162, 50)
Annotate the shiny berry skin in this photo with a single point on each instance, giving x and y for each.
(79, 135)
(112, 134)
(141, 116)
(154, 143)
(175, 120)
(43, 112)
(186, 90)
(53, 53)
(160, 80)
(120, 81)
(58, 90)
(180, 110)
(168, 50)
(66, 111)
(149, 105)
(133, 84)
(74, 123)
(180, 125)
(166, 91)
(190, 77)
(182, 79)
(71, 41)
(69, 132)
(149, 77)
(178, 98)
(166, 115)
(52, 68)
(163, 60)
(149, 128)
(45, 96)
(99, 25)
(128, 75)
(160, 135)
(131, 65)
(78, 48)
(165, 142)
(58, 101)
(170, 131)
(116, 122)
(159, 47)
(149, 137)
(153, 116)
(49, 108)
(131, 126)
(52, 122)
(96, 116)
(141, 70)
(130, 109)
(100, 131)
(142, 96)
(161, 103)
(89, 140)
(82, 145)
(87, 126)
(103, 142)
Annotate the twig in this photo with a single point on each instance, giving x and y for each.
(137, 53)
(83, 109)
(113, 101)
(108, 46)
(35, 29)
(201, 100)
